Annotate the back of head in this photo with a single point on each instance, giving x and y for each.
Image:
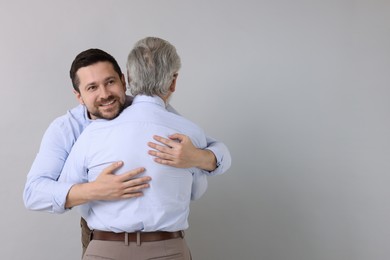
(151, 67)
(87, 58)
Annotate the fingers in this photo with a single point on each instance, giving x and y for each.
(167, 149)
(134, 184)
(133, 187)
(171, 151)
(177, 136)
(158, 147)
(136, 188)
(113, 167)
(131, 174)
(132, 195)
(160, 139)
(168, 142)
(165, 162)
(162, 155)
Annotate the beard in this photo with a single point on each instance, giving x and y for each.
(100, 111)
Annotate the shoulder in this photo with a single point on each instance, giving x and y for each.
(70, 125)
(74, 118)
(189, 128)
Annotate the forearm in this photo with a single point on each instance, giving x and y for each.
(45, 194)
(178, 151)
(79, 194)
(205, 159)
(42, 192)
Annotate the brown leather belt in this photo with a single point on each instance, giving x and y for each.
(138, 237)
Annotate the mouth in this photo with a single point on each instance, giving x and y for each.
(108, 103)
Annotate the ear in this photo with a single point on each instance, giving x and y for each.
(78, 97)
(172, 88)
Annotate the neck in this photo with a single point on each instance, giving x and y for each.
(166, 98)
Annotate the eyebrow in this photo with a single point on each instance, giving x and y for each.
(93, 83)
(109, 78)
(90, 84)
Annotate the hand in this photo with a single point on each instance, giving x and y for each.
(109, 186)
(178, 151)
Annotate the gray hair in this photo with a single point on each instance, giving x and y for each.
(151, 67)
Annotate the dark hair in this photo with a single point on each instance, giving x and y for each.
(87, 58)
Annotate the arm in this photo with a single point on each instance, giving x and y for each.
(108, 187)
(42, 190)
(178, 151)
(222, 155)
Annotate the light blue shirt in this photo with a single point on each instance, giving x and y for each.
(43, 192)
(165, 205)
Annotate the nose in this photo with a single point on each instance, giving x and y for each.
(104, 92)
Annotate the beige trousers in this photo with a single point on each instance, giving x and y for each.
(85, 235)
(171, 249)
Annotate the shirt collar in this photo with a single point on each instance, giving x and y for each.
(86, 116)
(154, 99)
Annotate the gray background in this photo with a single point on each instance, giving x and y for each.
(298, 90)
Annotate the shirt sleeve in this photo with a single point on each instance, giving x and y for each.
(199, 184)
(222, 156)
(42, 192)
(75, 168)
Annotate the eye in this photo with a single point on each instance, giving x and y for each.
(91, 88)
(110, 82)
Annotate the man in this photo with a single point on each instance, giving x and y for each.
(43, 192)
(148, 227)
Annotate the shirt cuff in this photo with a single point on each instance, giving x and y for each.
(223, 162)
(60, 199)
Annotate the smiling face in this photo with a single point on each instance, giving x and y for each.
(102, 90)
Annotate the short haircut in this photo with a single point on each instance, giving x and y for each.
(151, 67)
(87, 58)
